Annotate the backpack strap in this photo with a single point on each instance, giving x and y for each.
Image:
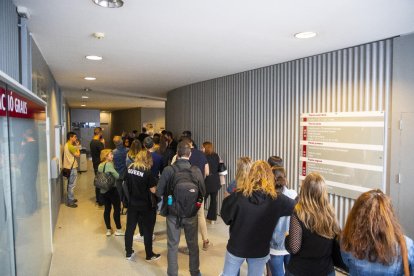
(170, 187)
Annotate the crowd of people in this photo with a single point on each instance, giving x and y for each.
(276, 230)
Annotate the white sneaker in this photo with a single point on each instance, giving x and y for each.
(119, 232)
(132, 257)
(108, 232)
(139, 238)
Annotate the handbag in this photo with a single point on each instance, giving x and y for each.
(222, 169)
(104, 181)
(66, 172)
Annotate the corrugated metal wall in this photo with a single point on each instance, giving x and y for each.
(256, 113)
(9, 39)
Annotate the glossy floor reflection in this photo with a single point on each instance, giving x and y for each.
(81, 247)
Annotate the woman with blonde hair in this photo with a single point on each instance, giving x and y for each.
(252, 212)
(243, 166)
(313, 228)
(372, 242)
(141, 186)
(111, 196)
(135, 147)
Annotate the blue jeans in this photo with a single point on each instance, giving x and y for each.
(277, 264)
(255, 266)
(71, 185)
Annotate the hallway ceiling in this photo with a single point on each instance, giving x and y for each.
(152, 47)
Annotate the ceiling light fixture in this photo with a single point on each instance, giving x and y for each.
(303, 35)
(109, 3)
(83, 105)
(90, 78)
(94, 57)
(85, 97)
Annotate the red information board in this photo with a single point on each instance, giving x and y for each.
(15, 105)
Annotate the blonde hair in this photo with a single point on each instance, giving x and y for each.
(104, 154)
(143, 160)
(260, 178)
(314, 209)
(117, 140)
(242, 169)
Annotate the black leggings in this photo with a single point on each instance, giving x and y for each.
(111, 198)
(212, 209)
(147, 219)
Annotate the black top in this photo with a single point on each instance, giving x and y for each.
(311, 254)
(96, 147)
(213, 179)
(139, 182)
(252, 221)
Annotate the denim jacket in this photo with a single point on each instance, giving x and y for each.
(364, 267)
(277, 244)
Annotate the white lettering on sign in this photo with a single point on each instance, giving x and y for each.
(20, 106)
(3, 102)
(11, 104)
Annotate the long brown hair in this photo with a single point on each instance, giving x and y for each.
(313, 207)
(372, 230)
(208, 148)
(280, 177)
(135, 147)
(260, 178)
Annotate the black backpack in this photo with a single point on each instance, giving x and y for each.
(185, 192)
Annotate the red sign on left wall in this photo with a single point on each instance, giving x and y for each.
(17, 106)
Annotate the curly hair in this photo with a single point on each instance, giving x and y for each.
(260, 178)
(313, 207)
(143, 160)
(372, 230)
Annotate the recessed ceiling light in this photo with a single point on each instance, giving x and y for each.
(109, 3)
(94, 57)
(83, 104)
(85, 97)
(89, 78)
(305, 35)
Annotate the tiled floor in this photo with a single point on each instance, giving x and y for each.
(81, 247)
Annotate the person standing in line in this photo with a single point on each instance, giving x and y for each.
(242, 171)
(279, 257)
(141, 188)
(70, 152)
(96, 145)
(252, 213)
(198, 159)
(187, 133)
(171, 149)
(312, 230)
(373, 242)
(133, 151)
(212, 181)
(111, 196)
(190, 225)
(156, 170)
(120, 154)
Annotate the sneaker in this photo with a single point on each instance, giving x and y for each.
(130, 257)
(75, 200)
(154, 257)
(108, 232)
(72, 205)
(206, 245)
(119, 232)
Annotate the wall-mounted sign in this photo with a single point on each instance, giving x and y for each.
(17, 106)
(346, 148)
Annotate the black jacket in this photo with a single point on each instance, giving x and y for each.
(252, 221)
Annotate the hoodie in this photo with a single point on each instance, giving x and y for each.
(252, 221)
